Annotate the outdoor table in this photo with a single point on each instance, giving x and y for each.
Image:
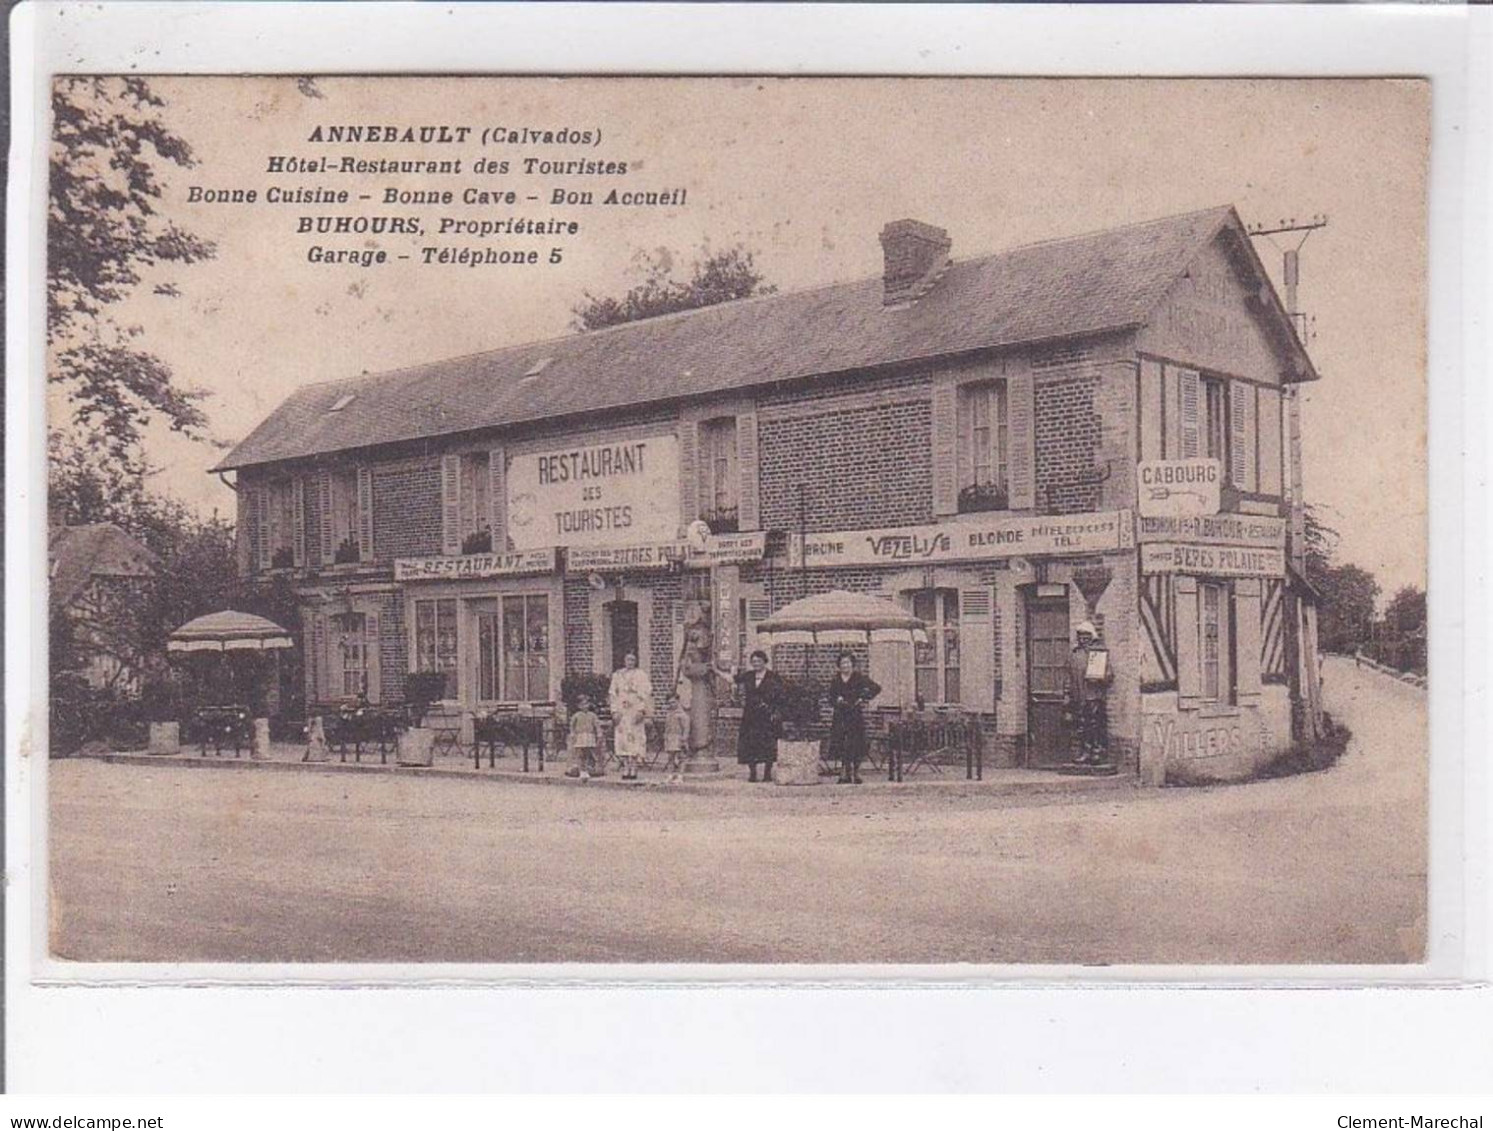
(917, 741)
(508, 729)
(363, 723)
(220, 724)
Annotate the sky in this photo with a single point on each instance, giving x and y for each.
(804, 172)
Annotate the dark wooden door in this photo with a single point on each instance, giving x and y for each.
(1047, 681)
(624, 631)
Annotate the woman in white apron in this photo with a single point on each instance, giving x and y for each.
(630, 699)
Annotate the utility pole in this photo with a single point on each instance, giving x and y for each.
(1305, 692)
(1291, 258)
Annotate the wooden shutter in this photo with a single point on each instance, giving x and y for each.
(1293, 478)
(945, 444)
(964, 447)
(298, 520)
(1268, 430)
(497, 498)
(242, 539)
(977, 649)
(324, 517)
(689, 471)
(1241, 434)
(1247, 659)
(262, 525)
(371, 657)
(1189, 394)
(1020, 404)
(749, 512)
(1171, 415)
(451, 504)
(365, 514)
(1150, 410)
(1189, 646)
(321, 682)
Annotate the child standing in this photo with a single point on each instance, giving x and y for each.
(676, 736)
(584, 738)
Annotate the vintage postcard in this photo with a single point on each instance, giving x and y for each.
(718, 521)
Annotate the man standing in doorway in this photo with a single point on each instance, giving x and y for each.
(1088, 677)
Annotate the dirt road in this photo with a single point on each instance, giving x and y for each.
(204, 865)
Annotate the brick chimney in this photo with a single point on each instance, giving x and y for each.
(915, 255)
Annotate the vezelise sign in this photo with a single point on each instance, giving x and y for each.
(475, 566)
(719, 549)
(968, 539)
(1259, 531)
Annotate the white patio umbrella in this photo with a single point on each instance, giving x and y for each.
(229, 631)
(838, 617)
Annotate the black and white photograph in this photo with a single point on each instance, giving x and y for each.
(724, 521)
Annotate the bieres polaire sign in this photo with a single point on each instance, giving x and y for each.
(1179, 486)
(974, 539)
(1212, 561)
(595, 494)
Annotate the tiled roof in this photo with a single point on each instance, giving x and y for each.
(1058, 289)
(75, 554)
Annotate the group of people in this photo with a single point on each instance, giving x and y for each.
(764, 695)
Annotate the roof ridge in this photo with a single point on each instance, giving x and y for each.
(656, 319)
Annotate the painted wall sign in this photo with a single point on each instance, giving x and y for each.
(976, 539)
(719, 550)
(1179, 486)
(1212, 561)
(596, 494)
(1171, 737)
(475, 566)
(1214, 530)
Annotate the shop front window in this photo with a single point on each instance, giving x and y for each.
(352, 644)
(513, 664)
(936, 663)
(1215, 643)
(435, 639)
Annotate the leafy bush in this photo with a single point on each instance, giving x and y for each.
(477, 542)
(424, 688)
(798, 708)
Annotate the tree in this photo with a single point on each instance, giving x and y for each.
(104, 236)
(715, 277)
(1405, 614)
(1346, 615)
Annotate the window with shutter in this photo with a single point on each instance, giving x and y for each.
(1021, 462)
(1188, 407)
(325, 517)
(945, 444)
(689, 471)
(365, 514)
(298, 521)
(720, 479)
(1241, 443)
(1215, 422)
(497, 498)
(451, 504)
(262, 527)
(984, 476)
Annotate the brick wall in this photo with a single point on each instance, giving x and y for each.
(1068, 431)
(864, 463)
(393, 648)
(406, 510)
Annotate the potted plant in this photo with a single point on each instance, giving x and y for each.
(798, 749)
(477, 542)
(983, 497)
(347, 552)
(283, 558)
(421, 689)
(723, 520)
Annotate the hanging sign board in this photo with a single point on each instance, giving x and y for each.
(475, 566)
(1212, 561)
(968, 539)
(718, 550)
(1179, 486)
(599, 494)
(1265, 532)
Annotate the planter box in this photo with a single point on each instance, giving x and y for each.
(260, 746)
(165, 738)
(415, 748)
(798, 763)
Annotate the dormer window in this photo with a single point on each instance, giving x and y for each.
(342, 402)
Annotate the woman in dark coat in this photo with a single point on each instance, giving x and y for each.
(762, 693)
(848, 691)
